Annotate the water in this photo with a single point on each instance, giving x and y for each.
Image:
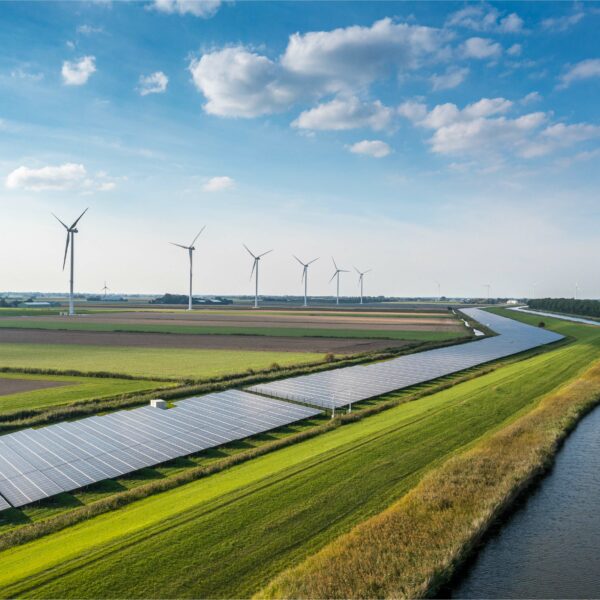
(549, 547)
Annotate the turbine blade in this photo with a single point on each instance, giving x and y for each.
(303, 275)
(312, 261)
(248, 250)
(66, 250)
(299, 260)
(179, 245)
(79, 217)
(267, 252)
(253, 267)
(60, 221)
(333, 259)
(333, 276)
(194, 240)
(357, 271)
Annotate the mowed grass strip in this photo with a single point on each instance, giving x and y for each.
(172, 363)
(77, 325)
(229, 534)
(411, 549)
(77, 389)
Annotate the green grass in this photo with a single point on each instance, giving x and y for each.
(79, 389)
(81, 325)
(146, 362)
(227, 535)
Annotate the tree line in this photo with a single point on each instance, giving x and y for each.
(585, 308)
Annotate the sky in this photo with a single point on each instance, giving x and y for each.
(447, 142)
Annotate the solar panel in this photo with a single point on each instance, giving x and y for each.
(341, 387)
(38, 463)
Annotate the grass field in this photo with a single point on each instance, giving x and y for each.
(229, 534)
(425, 336)
(78, 389)
(146, 362)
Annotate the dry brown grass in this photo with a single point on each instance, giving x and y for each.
(413, 547)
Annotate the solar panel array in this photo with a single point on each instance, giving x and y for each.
(341, 387)
(541, 313)
(39, 463)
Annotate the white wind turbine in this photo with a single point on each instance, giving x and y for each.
(255, 271)
(71, 231)
(190, 250)
(361, 280)
(105, 289)
(305, 276)
(336, 275)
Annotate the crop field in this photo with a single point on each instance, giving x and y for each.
(146, 362)
(19, 391)
(229, 534)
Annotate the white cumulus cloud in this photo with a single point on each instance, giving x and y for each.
(375, 148)
(586, 69)
(155, 83)
(452, 78)
(345, 113)
(77, 72)
(68, 176)
(218, 184)
(483, 17)
(204, 9)
(563, 23)
(481, 48)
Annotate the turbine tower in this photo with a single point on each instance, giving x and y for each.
(305, 276)
(361, 279)
(255, 271)
(336, 275)
(190, 250)
(71, 231)
(439, 289)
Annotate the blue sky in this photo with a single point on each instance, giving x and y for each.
(451, 142)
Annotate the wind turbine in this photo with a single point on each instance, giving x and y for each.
(336, 275)
(439, 289)
(305, 276)
(105, 289)
(361, 278)
(190, 250)
(489, 287)
(576, 290)
(71, 231)
(255, 271)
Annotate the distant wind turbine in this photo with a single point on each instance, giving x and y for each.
(336, 275)
(255, 271)
(576, 290)
(489, 287)
(190, 250)
(439, 289)
(71, 231)
(305, 276)
(361, 279)
(105, 289)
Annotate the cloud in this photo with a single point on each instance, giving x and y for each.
(239, 82)
(374, 148)
(155, 83)
(20, 73)
(482, 17)
(452, 78)
(531, 97)
(78, 72)
(69, 176)
(562, 23)
(205, 9)
(218, 184)
(345, 113)
(482, 129)
(515, 50)
(586, 69)
(88, 29)
(481, 48)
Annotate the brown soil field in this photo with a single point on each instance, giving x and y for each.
(197, 341)
(300, 321)
(14, 386)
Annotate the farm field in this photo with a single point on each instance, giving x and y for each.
(20, 391)
(146, 362)
(229, 534)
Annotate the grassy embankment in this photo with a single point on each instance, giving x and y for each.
(413, 548)
(77, 389)
(274, 331)
(229, 534)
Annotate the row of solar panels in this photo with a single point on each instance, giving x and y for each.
(39, 463)
(341, 387)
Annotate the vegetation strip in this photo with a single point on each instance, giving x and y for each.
(412, 548)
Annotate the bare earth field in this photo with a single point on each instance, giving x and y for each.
(198, 341)
(16, 386)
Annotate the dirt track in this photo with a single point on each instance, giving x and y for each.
(197, 341)
(14, 386)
